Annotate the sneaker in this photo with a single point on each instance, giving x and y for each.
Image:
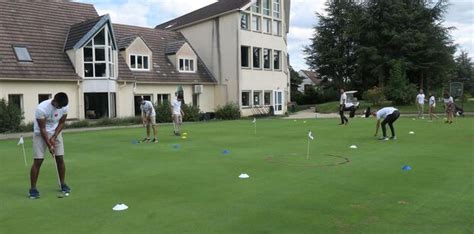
(155, 140)
(383, 138)
(65, 188)
(393, 138)
(146, 140)
(34, 194)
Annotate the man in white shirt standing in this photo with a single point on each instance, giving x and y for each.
(420, 102)
(342, 106)
(389, 116)
(432, 106)
(50, 116)
(148, 119)
(177, 114)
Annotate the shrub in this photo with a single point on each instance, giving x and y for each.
(26, 127)
(191, 113)
(78, 124)
(374, 95)
(228, 112)
(10, 117)
(163, 112)
(399, 90)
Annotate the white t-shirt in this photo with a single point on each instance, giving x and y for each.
(432, 101)
(148, 109)
(48, 112)
(176, 107)
(384, 112)
(420, 98)
(448, 100)
(343, 98)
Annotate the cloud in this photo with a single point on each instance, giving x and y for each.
(149, 13)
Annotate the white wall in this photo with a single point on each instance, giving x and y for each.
(31, 89)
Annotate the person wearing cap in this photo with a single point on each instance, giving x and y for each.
(148, 119)
(389, 116)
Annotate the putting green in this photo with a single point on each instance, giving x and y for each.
(191, 186)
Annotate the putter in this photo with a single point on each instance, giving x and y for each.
(61, 194)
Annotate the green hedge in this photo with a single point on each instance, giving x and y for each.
(10, 117)
(229, 111)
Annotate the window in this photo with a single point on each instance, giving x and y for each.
(244, 59)
(16, 100)
(162, 98)
(139, 62)
(245, 98)
(256, 98)
(276, 8)
(43, 97)
(266, 7)
(186, 65)
(256, 57)
(267, 25)
(244, 21)
(267, 53)
(256, 6)
(99, 57)
(276, 28)
(266, 98)
(256, 23)
(277, 60)
(22, 54)
(196, 99)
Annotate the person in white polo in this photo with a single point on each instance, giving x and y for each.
(177, 114)
(50, 117)
(389, 116)
(148, 119)
(342, 107)
(432, 106)
(420, 102)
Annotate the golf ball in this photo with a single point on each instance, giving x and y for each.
(183, 137)
(66, 194)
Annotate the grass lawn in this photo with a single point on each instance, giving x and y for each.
(334, 107)
(196, 189)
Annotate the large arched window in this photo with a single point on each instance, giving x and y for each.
(99, 56)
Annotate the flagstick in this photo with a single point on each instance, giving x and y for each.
(24, 154)
(255, 128)
(307, 154)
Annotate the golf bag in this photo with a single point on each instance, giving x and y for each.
(458, 111)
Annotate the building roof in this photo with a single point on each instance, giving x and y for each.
(174, 47)
(42, 27)
(218, 8)
(313, 76)
(161, 69)
(78, 31)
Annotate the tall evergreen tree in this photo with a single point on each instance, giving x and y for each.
(465, 71)
(331, 52)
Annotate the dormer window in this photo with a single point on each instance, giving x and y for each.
(22, 54)
(187, 65)
(139, 62)
(99, 56)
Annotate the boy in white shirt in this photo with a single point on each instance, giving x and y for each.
(50, 116)
(177, 114)
(389, 115)
(432, 104)
(420, 102)
(342, 107)
(148, 119)
(449, 107)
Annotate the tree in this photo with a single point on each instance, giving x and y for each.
(399, 90)
(465, 71)
(295, 81)
(331, 52)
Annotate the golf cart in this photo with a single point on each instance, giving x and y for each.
(352, 104)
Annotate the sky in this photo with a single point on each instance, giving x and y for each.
(149, 13)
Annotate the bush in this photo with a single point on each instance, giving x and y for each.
(399, 90)
(26, 127)
(10, 117)
(374, 95)
(163, 113)
(191, 113)
(228, 112)
(79, 124)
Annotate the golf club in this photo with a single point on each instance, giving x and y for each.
(61, 194)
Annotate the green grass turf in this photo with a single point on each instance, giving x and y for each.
(195, 189)
(334, 107)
